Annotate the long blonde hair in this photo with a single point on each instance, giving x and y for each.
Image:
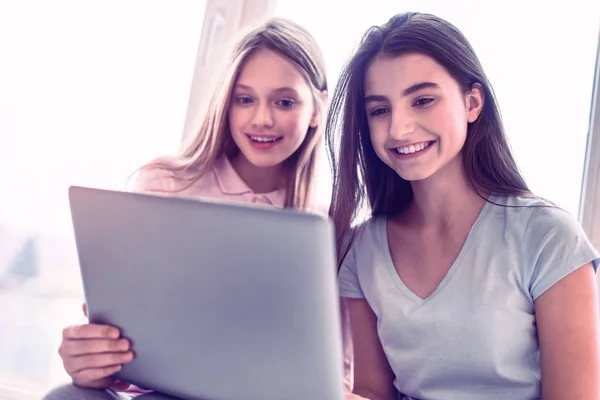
(214, 140)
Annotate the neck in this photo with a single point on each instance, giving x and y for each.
(444, 200)
(259, 179)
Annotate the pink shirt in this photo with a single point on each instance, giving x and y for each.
(223, 183)
(220, 183)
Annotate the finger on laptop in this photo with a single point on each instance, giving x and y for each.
(79, 347)
(97, 361)
(92, 362)
(91, 331)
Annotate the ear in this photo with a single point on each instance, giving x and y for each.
(474, 101)
(319, 107)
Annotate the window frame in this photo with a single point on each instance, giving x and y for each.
(589, 209)
(223, 22)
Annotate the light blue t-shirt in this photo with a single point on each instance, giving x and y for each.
(475, 337)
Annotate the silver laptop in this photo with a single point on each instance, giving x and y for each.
(221, 301)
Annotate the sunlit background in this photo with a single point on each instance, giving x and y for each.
(89, 91)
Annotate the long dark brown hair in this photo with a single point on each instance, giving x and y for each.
(360, 179)
(213, 138)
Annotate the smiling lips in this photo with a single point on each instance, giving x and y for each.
(263, 142)
(413, 150)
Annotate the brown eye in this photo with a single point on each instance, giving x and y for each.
(422, 102)
(379, 111)
(243, 100)
(285, 103)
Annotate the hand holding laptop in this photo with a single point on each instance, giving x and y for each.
(92, 353)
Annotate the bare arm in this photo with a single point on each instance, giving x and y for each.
(568, 329)
(373, 377)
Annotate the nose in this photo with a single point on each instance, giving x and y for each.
(263, 117)
(402, 124)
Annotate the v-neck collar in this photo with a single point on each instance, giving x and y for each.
(382, 231)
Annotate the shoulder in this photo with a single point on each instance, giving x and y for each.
(552, 244)
(315, 206)
(318, 203)
(549, 234)
(364, 268)
(536, 221)
(532, 215)
(367, 235)
(543, 219)
(154, 179)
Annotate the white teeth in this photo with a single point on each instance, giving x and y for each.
(413, 148)
(264, 139)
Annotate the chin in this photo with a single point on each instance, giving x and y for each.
(414, 175)
(264, 161)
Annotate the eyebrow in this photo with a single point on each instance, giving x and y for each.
(406, 92)
(420, 86)
(275, 91)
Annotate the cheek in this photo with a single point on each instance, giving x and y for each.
(234, 118)
(295, 123)
(459, 130)
(459, 121)
(449, 123)
(378, 135)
